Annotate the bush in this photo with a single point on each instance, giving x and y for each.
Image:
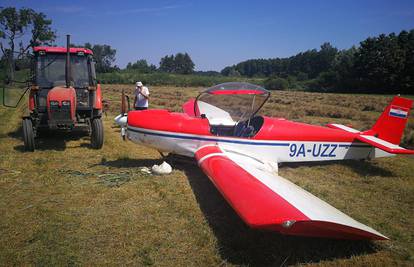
(276, 83)
(162, 78)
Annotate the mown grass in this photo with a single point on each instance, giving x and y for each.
(66, 204)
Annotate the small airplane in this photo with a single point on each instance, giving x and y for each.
(239, 151)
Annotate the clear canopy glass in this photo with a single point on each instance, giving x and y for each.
(229, 103)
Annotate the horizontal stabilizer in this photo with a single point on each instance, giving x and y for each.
(342, 127)
(265, 200)
(372, 140)
(384, 145)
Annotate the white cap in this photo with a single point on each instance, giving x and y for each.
(139, 84)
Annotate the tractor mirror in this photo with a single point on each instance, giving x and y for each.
(12, 94)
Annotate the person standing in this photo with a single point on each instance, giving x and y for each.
(141, 96)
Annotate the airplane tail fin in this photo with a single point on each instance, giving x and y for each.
(390, 125)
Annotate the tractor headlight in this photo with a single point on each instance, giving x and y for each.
(54, 103)
(66, 103)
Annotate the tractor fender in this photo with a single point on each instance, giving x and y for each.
(98, 98)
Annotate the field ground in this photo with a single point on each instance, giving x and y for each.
(67, 204)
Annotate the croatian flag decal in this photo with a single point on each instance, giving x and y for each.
(399, 112)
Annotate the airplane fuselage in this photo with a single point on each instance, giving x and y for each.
(274, 139)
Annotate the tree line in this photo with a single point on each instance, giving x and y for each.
(180, 63)
(381, 64)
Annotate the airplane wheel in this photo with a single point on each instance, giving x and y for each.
(97, 134)
(28, 135)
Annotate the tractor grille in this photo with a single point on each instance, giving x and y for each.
(60, 117)
(60, 113)
(82, 98)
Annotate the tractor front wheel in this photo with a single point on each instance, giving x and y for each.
(28, 135)
(97, 133)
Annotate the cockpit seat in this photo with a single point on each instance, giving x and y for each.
(242, 129)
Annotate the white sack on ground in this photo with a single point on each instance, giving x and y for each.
(164, 168)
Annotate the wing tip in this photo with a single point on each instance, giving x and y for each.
(323, 229)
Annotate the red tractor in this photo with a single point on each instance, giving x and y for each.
(63, 94)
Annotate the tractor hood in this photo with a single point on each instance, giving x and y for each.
(61, 100)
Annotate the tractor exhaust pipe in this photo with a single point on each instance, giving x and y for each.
(67, 69)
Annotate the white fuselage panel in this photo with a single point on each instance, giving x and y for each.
(273, 150)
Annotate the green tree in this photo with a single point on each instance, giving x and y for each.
(20, 30)
(276, 83)
(167, 64)
(226, 71)
(345, 68)
(325, 58)
(189, 65)
(406, 41)
(142, 66)
(180, 63)
(380, 62)
(183, 64)
(104, 56)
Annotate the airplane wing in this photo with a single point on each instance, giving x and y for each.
(267, 201)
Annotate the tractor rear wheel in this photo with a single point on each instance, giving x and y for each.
(28, 135)
(97, 133)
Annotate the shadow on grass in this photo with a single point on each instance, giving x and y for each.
(365, 168)
(362, 167)
(51, 140)
(128, 163)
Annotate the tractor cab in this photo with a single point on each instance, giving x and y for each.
(50, 67)
(231, 108)
(63, 94)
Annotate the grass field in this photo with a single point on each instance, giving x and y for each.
(67, 204)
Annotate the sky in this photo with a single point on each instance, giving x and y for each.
(217, 33)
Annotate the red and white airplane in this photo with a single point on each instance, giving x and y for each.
(239, 151)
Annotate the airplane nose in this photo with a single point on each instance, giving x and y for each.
(121, 120)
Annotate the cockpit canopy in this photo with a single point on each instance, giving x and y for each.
(229, 103)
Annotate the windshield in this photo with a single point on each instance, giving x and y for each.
(50, 70)
(230, 103)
